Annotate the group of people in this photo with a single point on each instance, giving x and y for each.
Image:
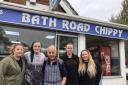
(35, 68)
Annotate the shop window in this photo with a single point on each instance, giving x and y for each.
(106, 52)
(126, 53)
(7, 38)
(45, 37)
(62, 40)
(23, 2)
(10, 35)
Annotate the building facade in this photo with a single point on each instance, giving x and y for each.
(24, 21)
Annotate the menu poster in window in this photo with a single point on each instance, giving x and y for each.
(106, 63)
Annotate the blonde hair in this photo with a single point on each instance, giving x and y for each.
(91, 68)
(13, 47)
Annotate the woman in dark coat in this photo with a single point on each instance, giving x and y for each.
(89, 71)
(71, 62)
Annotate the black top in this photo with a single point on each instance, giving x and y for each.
(20, 63)
(86, 80)
(72, 69)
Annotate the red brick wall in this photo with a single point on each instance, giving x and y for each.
(59, 9)
(46, 2)
(17, 1)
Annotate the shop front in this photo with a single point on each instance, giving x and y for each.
(104, 40)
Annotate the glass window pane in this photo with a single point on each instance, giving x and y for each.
(105, 51)
(126, 53)
(7, 38)
(46, 38)
(63, 40)
(10, 35)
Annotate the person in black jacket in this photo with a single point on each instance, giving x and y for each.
(89, 71)
(71, 63)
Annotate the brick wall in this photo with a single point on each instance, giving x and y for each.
(23, 2)
(59, 9)
(45, 2)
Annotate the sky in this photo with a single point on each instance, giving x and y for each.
(97, 9)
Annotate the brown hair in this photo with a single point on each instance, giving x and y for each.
(32, 51)
(13, 47)
(69, 43)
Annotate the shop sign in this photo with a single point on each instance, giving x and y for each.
(54, 23)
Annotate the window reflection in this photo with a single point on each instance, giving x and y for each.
(10, 35)
(106, 52)
(63, 40)
(5, 42)
(126, 53)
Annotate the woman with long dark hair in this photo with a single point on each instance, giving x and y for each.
(34, 61)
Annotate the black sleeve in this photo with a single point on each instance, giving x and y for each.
(99, 73)
(77, 60)
(26, 63)
(63, 70)
(43, 69)
(62, 57)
